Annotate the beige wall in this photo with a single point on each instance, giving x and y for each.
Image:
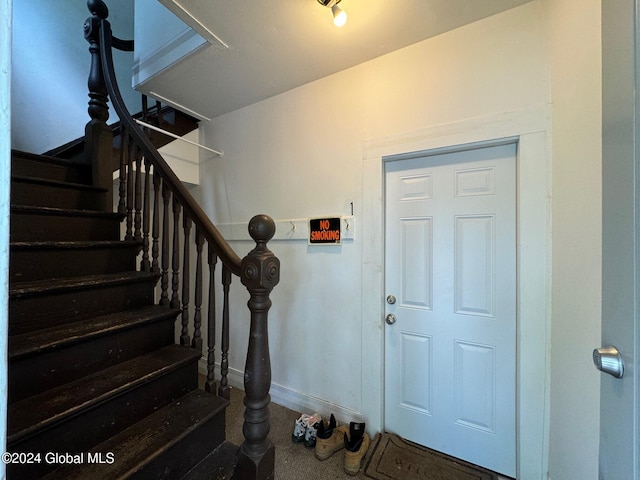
(301, 154)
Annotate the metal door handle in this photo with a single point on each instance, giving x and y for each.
(609, 360)
(390, 319)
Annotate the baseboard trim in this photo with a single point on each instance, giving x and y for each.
(292, 399)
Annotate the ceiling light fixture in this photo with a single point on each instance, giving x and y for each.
(339, 15)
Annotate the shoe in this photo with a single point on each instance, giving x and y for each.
(300, 428)
(312, 429)
(356, 444)
(329, 438)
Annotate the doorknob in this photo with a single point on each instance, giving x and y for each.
(609, 360)
(390, 319)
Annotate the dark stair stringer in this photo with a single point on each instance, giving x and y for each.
(93, 365)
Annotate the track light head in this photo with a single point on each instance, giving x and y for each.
(339, 15)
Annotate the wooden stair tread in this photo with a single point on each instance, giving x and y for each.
(66, 245)
(38, 287)
(57, 183)
(27, 344)
(73, 244)
(50, 407)
(19, 154)
(146, 440)
(76, 212)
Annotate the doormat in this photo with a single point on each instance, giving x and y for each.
(393, 458)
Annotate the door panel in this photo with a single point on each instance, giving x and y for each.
(620, 223)
(450, 261)
(474, 266)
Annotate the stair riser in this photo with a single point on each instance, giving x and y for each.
(44, 195)
(220, 463)
(42, 263)
(182, 457)
(33, 312)
(41, 168)
(39, 227)
(80, 433)
(36, 374)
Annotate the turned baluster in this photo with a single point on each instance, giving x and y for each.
(175, 258)
(197, 316)
(155, 233)
(122, 191)
(210, 385)
(164, 278)
(184, 334)
(145, 264)
(130, 191)
(225, 389)
(137, 233)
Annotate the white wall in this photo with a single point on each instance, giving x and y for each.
(50, 69)
(300, 154)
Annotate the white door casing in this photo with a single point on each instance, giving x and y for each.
(450, 266)
(529, 128)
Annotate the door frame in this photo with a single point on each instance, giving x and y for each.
(530, 129)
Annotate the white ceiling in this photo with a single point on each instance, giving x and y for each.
(275, 45)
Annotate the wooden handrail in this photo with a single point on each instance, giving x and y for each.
(228, 256)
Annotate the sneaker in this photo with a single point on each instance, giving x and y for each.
(312, 430)
(356, 444)
(329, 438)
(300, 428)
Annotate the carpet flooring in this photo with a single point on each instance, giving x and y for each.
(295, 462)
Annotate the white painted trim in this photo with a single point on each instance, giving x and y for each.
(167, 55)
(178, 106)
(286, 229)
(292, 399)
(178, 137)
(530, 127)
(187, 17)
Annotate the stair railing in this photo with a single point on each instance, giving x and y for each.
(152, 200)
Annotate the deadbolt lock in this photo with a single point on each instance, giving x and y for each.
(391, 299)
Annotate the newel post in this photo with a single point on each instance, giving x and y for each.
(260, 272)
(98, 144)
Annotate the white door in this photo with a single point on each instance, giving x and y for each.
(450, 281)
(619, 409)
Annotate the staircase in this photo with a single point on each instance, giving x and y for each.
(98, 389)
